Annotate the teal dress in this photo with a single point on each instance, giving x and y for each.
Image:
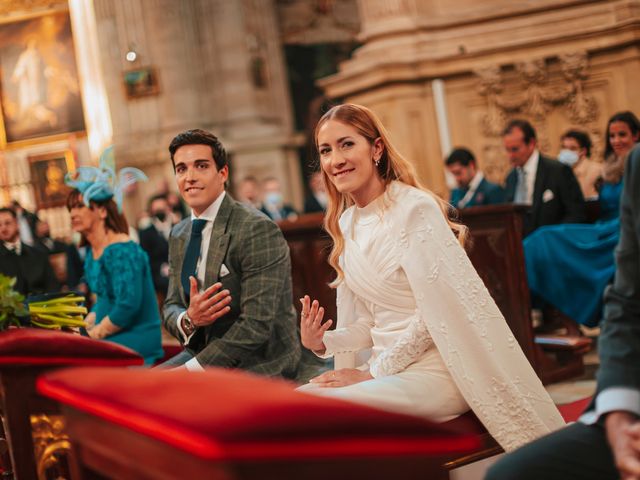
(569, 265)
(121, 279)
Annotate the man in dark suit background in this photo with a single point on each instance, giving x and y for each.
(154, 239)
(473, 189)
(317, 200)
(273, 204)
(549, 186)
(605, 444)
(230, 295)
(29, 266)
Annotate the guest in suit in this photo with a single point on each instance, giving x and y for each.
(605, 443)
(576, 153)
(44, 242)
(318, 199)
(154, 239)
(549, 186)
(273, 202)
(29, 266)
(248, 191)
(229, 299)
(473, 189)
(26, 223)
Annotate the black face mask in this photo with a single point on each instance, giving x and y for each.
(161, 216)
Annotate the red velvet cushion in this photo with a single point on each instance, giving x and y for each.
(572, 411)
(33, 346)
(222, 414)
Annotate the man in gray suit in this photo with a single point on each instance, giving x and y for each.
(229, 300)
(605, 443)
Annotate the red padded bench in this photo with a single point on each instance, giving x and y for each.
(26, 353)
(223, 424)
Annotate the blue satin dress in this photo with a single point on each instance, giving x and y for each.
(121, 279)
(570, 265)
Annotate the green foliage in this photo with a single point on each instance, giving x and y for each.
(11, 303)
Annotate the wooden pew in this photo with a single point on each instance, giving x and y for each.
(37, 441)
(498, 256)
(278, 433)
(311, 274)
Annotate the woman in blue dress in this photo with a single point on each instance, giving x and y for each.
(116, 268)
(569, 265)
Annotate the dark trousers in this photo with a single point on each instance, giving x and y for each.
(579, 452)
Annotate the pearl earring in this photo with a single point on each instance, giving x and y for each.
(377, 162)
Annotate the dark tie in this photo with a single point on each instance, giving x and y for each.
(522, 190)
(191, 255)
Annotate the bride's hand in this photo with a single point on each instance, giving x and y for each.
(311, 327)
(341, 378)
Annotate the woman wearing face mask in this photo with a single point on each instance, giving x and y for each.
(272, 202)
(417, 331)
(116, 268)
(569, 266)
(576, 152)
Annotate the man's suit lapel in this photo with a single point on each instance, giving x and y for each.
(219, 241)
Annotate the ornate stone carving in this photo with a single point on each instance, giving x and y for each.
(575, 68)
(539, 93)
(51, 446)
(317, 21)
(533, 89)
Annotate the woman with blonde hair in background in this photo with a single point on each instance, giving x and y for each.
(417, 331)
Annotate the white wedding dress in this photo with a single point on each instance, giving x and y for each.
(414, 312)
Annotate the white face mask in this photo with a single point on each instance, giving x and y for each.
(568, 157)
(322, 198)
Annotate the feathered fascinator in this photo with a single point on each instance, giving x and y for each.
(102, 183)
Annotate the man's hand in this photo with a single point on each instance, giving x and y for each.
(341, 378)
(311, 327)
(208, 306)
(623, 433)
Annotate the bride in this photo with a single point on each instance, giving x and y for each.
(417, 331)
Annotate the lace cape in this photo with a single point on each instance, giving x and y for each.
(457, 313)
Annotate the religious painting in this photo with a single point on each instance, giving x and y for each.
(39, 87)
(141, 82)
(47, 176)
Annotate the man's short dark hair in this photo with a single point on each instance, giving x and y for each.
(527, 129)
(199, 137)
(157, 196)
(462, 156)
(10, 211)
(581, 137)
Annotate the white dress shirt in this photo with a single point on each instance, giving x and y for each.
(209, 215)
(530, 169)
(15, 247)
(473, 186)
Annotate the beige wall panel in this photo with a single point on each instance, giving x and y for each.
(408, 113)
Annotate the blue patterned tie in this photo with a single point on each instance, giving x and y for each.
(522, 190)
(191, 255)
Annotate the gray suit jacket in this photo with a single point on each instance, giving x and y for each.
(260, 333)
(619, 343)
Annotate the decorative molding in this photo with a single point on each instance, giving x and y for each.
(533, 89)
(51, 446)
(308, 22)
(538, 94)
(19, 7)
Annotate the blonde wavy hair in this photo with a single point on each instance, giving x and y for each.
(392, 166)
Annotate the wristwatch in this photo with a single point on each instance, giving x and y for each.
(187, 325)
